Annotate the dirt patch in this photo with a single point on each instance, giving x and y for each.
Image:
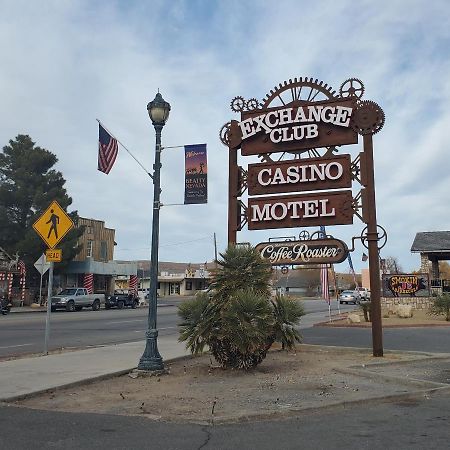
(420, 319)
(196, 390)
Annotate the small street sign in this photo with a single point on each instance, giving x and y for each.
(53, 255)
(41, 265)
(53, 225)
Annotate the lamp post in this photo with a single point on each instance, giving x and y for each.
(158, 111)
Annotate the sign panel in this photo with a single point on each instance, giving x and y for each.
(196, 174)
(300, 175)
(53, 225)
(318, 251)
(296, 126)
(406, 285)
(301, 210)
(41, 265)
(54, 255)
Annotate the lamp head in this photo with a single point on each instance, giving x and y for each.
(158, 110)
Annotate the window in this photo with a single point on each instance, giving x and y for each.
(189, 285)
(103, 255)
(89, 249)
(89, 229)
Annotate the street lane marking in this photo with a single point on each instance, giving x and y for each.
(125, 321)
(18, 345)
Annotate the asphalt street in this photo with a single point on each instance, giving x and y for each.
(23, 333)
(414, 423)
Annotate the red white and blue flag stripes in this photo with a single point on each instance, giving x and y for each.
(107, 150)
(324, 273)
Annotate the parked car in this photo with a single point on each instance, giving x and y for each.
(350, 297)
(74, 299)
(120, 299)
(364, 293)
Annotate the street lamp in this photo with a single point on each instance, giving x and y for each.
(158, 111)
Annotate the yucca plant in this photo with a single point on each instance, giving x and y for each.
(287, 314)
(239, 322)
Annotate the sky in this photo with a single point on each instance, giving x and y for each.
(66, 63)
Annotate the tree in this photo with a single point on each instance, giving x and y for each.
(239, 321)
(28, 184)
(391, 265)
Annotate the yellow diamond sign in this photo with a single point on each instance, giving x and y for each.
(53, 225)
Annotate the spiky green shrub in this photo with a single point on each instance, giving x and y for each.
(239, 322)
(441, 306)
(287, 314)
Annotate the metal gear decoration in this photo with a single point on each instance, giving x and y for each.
(252, 104)
(304, 235)
(223, 134)
(381, 237)
(238, 104)
(352, 88)
(367, 118)
(295, 89)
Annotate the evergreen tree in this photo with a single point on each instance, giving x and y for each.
(28, 184)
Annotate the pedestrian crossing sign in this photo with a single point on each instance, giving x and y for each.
(53, 225)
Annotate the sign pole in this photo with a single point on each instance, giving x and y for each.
(40, 284)
(372, 239)
(49, 308)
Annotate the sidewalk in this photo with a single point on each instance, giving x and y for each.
(22, 377)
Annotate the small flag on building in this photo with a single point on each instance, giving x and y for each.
(196, 177)
(107, 150)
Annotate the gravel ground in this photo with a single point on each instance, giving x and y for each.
(196, 390)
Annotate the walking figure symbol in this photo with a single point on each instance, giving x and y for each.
(54, 220)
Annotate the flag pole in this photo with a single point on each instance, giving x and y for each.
(131, 154)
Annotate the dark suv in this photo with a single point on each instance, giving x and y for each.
(121, 299)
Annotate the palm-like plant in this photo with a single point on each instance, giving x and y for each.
(239, 322)
(241, 268)
(287, 314)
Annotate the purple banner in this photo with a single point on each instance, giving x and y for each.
(196, 178)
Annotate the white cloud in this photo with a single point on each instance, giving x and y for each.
(66, 63)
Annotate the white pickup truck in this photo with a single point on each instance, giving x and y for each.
(364, 293)
(74, 299)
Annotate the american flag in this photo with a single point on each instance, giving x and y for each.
(324, 273)
(107, 150)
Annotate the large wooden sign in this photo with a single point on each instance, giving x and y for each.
(299, 175)
(406, 285)
(301, 210)
(318, 251)
(296, 126)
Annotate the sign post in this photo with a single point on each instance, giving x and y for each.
(52, 226)
(41, 266)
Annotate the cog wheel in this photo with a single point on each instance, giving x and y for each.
(252, 104)
(223, 134)
(301, 90)
(353, 88)
(238, 104)
(367, 118)
(304, 235)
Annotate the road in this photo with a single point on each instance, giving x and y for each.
(23, 333)
(416, 423)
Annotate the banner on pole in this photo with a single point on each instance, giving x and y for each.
(196, 177)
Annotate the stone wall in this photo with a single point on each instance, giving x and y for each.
(415, 302)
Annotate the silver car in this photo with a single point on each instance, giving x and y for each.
(350, 297)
